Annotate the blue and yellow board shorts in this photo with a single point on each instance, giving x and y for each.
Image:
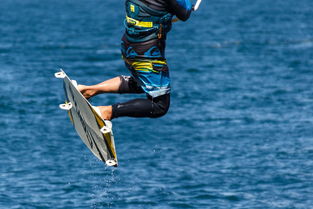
(152, 75)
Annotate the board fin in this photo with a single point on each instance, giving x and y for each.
(66, 106)
(60, 74)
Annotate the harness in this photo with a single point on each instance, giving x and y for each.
(143, 23)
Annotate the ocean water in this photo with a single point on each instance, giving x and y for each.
(239, 133)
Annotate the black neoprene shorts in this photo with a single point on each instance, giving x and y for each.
(148, 107)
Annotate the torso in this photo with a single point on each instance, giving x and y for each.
(161, 5)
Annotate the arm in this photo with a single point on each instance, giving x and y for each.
(180, 8)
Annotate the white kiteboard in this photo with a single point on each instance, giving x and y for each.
(95, 132)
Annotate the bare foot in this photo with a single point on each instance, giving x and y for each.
(86, 92)
(106, 112)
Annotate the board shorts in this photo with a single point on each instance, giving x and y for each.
(152, 75)
(147, 64)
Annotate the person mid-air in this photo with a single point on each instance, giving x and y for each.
(143, 50)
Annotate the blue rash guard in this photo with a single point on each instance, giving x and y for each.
(147, 23)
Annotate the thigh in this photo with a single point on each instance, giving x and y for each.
(150, 107)
(129, 85)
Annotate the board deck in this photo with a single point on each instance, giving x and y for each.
(95, 132)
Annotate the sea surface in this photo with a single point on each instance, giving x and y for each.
(239, 133)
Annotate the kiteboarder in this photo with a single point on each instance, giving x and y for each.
(147, 23)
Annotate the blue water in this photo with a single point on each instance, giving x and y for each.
(239, 133)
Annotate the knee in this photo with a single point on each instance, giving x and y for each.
(161, 106)
(159, 111)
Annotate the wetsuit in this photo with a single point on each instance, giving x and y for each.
(147, 23)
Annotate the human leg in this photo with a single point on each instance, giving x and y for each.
(149, 107)
(108, 86)
(120, 84)
(151, 77)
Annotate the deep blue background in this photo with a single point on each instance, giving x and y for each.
(238, 134)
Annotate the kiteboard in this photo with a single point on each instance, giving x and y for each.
(95, 132)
